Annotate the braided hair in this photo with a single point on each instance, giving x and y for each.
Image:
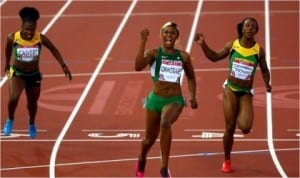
(29, 14)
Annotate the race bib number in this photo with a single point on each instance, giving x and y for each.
(28, 54)
(170, 70)
(242, 69)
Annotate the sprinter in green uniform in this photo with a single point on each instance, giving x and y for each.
(165, 102)
(244, 56)
(23, 73)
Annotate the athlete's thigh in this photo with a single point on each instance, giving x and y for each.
(152, 123)
(33, 93)
(33, 87)
(15, 87)
(245, 115)
(171, 112)
(230, 106)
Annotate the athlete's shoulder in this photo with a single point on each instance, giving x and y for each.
(11, 35)
(152, 51)
(234, 44)
(185, 55)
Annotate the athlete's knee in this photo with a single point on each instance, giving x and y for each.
(148, 141)
(246, 131)
(228, 133)
(165, 124)
(32, 105)
(245, 128)
(230, 128)
(13, 100)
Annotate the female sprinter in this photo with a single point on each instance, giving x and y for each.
(25, 46)
(244, 56)
(165, 102)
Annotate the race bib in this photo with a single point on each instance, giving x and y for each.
(27, 54)
(170, 70)
(242, 69)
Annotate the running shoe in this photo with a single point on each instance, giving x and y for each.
(164, 172)
(7, 127)
(140, 168)
(32, 131)
(226, 166)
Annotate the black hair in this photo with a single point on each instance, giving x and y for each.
(171, 24)
(240, 26)
(30, 14)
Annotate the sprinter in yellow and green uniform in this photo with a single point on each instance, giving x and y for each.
(242, 64)
(26, 51)
(244, 56)
(23, 72)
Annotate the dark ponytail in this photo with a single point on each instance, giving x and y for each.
(240, 29)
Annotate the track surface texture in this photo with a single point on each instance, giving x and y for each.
(93, 125)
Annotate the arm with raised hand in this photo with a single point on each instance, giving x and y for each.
(209, 53)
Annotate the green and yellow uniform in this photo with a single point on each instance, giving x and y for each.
(26, 51)
(242, 64)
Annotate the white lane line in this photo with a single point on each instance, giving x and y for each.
(269, 95)
(3, 80)
(153, 157)
(2, 2)
(86, 90)
(138, 140)
(192, 32)
(194, 26)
